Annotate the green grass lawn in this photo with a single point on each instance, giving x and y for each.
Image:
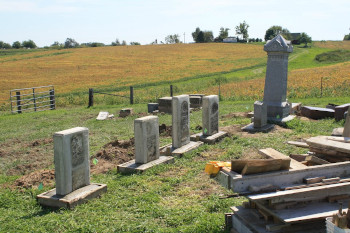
(177, 197)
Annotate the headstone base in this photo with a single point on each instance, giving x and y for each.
(265, 129)
(278, 109)
(181, 150)
(212, 139)
(280, 121)
(72, 199)
(132, 167)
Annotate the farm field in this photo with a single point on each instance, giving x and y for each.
(177, 197)
(191, 68)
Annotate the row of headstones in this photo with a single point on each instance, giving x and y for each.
(71, 147)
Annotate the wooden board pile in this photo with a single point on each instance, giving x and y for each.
(285, 195)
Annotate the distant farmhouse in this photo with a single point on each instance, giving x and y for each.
(230, 40)
(295, 38)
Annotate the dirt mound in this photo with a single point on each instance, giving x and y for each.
(112, 154)
(236, 130)
(41, 142)
(34, 179)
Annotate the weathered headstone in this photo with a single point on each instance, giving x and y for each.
(340, 110)
(346, 132)
(210, 116)
(72, 171)
(195, 101)
(165, 104)
(260, 114)
(71, 155)
(317, 113)
(125, 112)
(151, 107)
(146, 139)
(146, 130)
(275, 92)
(181, 120)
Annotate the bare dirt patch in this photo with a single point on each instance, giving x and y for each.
(236, 115)
(236, 130)
(165, 130)
(34, 179)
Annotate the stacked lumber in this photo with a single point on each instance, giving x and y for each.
(333, 149)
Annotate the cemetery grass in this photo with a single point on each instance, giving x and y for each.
(177, 197)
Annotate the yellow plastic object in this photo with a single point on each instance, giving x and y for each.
(213, 167)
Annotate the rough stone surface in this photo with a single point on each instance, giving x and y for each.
(71, 155)
(151, 107)
(210, 115)
(275, 91)
(146, 131)
(125, 112)
(195, 101)
(260, 114)
(181, 120)
(165, 104)
(317, 113)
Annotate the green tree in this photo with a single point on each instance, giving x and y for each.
(222, 34)
(29, 44)
(347, 37)
(6, 46)
(123, 42)
(304, 39)
(135, 43)
(195, 35)
(242, 29)
(1, 44)
(172, 39)
(16, 45)
(70, 43)
(116, 43)
(208, 36)
(275, 30)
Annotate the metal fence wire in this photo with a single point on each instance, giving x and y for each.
(34, 99)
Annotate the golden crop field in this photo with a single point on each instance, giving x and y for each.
(335, 77)
(332, 44)
(79, 69)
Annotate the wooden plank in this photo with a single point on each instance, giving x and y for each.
(274, 154)
(265, 165)
(240, 184)
(298, 157)
(330, 152)
(313, 180)
(309, 212)
(324, 143)
(237, 165)
(305, 194)
(298, 144)
(315, 160)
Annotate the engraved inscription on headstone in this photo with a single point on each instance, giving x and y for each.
(184, 122)
(214, 120)
(77, 150)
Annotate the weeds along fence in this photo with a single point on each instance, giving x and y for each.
(33, 99)
(94, 91)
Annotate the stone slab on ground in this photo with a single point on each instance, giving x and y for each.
(280, 121)
(170, 150)
(132, 167)
(165, 104)
(317, 113)
(72, 199)
(265, 129)
(209, 139)
(151, 107)
(295, 108)
(337, 132)
(340, 110)
(102, 116)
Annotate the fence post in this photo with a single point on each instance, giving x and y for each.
(171, 90)
(321, 86)
(131, 95)
(52, 99)
(34, 99)
(19, 107)
(91, 97)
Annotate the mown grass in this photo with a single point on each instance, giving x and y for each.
(177, 197)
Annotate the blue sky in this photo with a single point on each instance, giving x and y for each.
(46, 21)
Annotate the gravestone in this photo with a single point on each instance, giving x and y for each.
(346, 132)
(72, 171)
(146, 131)
(102, 116)
(71, 155)
(181, 120)
(210, 121)
(275, 91)
(260, 114)
(340, 110)
(151, 107)
(210, 116)
(165, 104)
(195, 101)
